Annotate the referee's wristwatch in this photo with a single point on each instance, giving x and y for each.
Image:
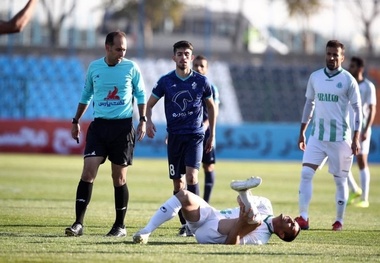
(143, 118)
(74, 121)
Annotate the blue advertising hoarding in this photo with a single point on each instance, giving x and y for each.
(272, 141)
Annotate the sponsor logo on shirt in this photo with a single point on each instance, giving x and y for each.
(112, 94)
(327, 97)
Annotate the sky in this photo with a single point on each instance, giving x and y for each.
(335, 20)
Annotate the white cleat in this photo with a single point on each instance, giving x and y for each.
(243, 185)
(140, 238)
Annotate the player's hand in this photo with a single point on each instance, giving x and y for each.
(75, 131)
(302, 142)
(150, 129)
(209, 144)
(141, 130)
(355, 147)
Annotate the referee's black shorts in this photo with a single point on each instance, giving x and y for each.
(114, 139)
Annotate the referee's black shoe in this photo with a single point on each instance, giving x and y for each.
(117, 231)
(75, 230)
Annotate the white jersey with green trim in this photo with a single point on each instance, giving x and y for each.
(368, 97)
(332, 94)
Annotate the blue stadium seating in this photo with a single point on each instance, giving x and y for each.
(43, 87)
(270, 93)
(36, 87)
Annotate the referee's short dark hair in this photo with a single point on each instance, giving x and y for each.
(111, 36)
(182, 44)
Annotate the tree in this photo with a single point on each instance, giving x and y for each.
(366, 12)
(151, 13)
(57, 12)
(239, 32)
(304, 9)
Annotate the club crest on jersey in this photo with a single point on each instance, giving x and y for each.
(339, 85)
(194, 85)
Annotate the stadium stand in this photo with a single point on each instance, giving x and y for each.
(40, 87)
(270, 93)
(44, 87)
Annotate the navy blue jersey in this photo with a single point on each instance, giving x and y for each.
(215, 96)
(183, 101)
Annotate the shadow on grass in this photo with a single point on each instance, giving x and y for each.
(258, 253)
(314, 230)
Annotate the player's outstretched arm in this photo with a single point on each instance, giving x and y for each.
(20, 20)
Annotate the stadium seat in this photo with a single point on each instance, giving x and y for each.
(53, 86)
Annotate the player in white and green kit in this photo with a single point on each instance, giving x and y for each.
(368, 97)
(252, 223)
(329, 94)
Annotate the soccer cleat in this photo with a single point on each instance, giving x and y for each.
(140, 238)
(117, 231)
(337, 226)
(185, 231)
(304, 224)
(243, 185)
(75, 230)
(353, 196)
(362, 204)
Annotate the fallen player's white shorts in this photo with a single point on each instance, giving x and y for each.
(339, 155)
(206, 229)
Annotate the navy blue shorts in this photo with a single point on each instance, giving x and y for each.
(208, 158)
(184, 150)
(114, 139)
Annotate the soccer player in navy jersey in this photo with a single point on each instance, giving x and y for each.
(112, 83)
(185, 91)
(200, 65)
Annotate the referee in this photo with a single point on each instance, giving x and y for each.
(112, 82)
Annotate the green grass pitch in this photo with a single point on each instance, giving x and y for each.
(37, 195)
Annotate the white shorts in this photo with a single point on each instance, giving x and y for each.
(206, 229)
(339, 155)
(364, 145)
